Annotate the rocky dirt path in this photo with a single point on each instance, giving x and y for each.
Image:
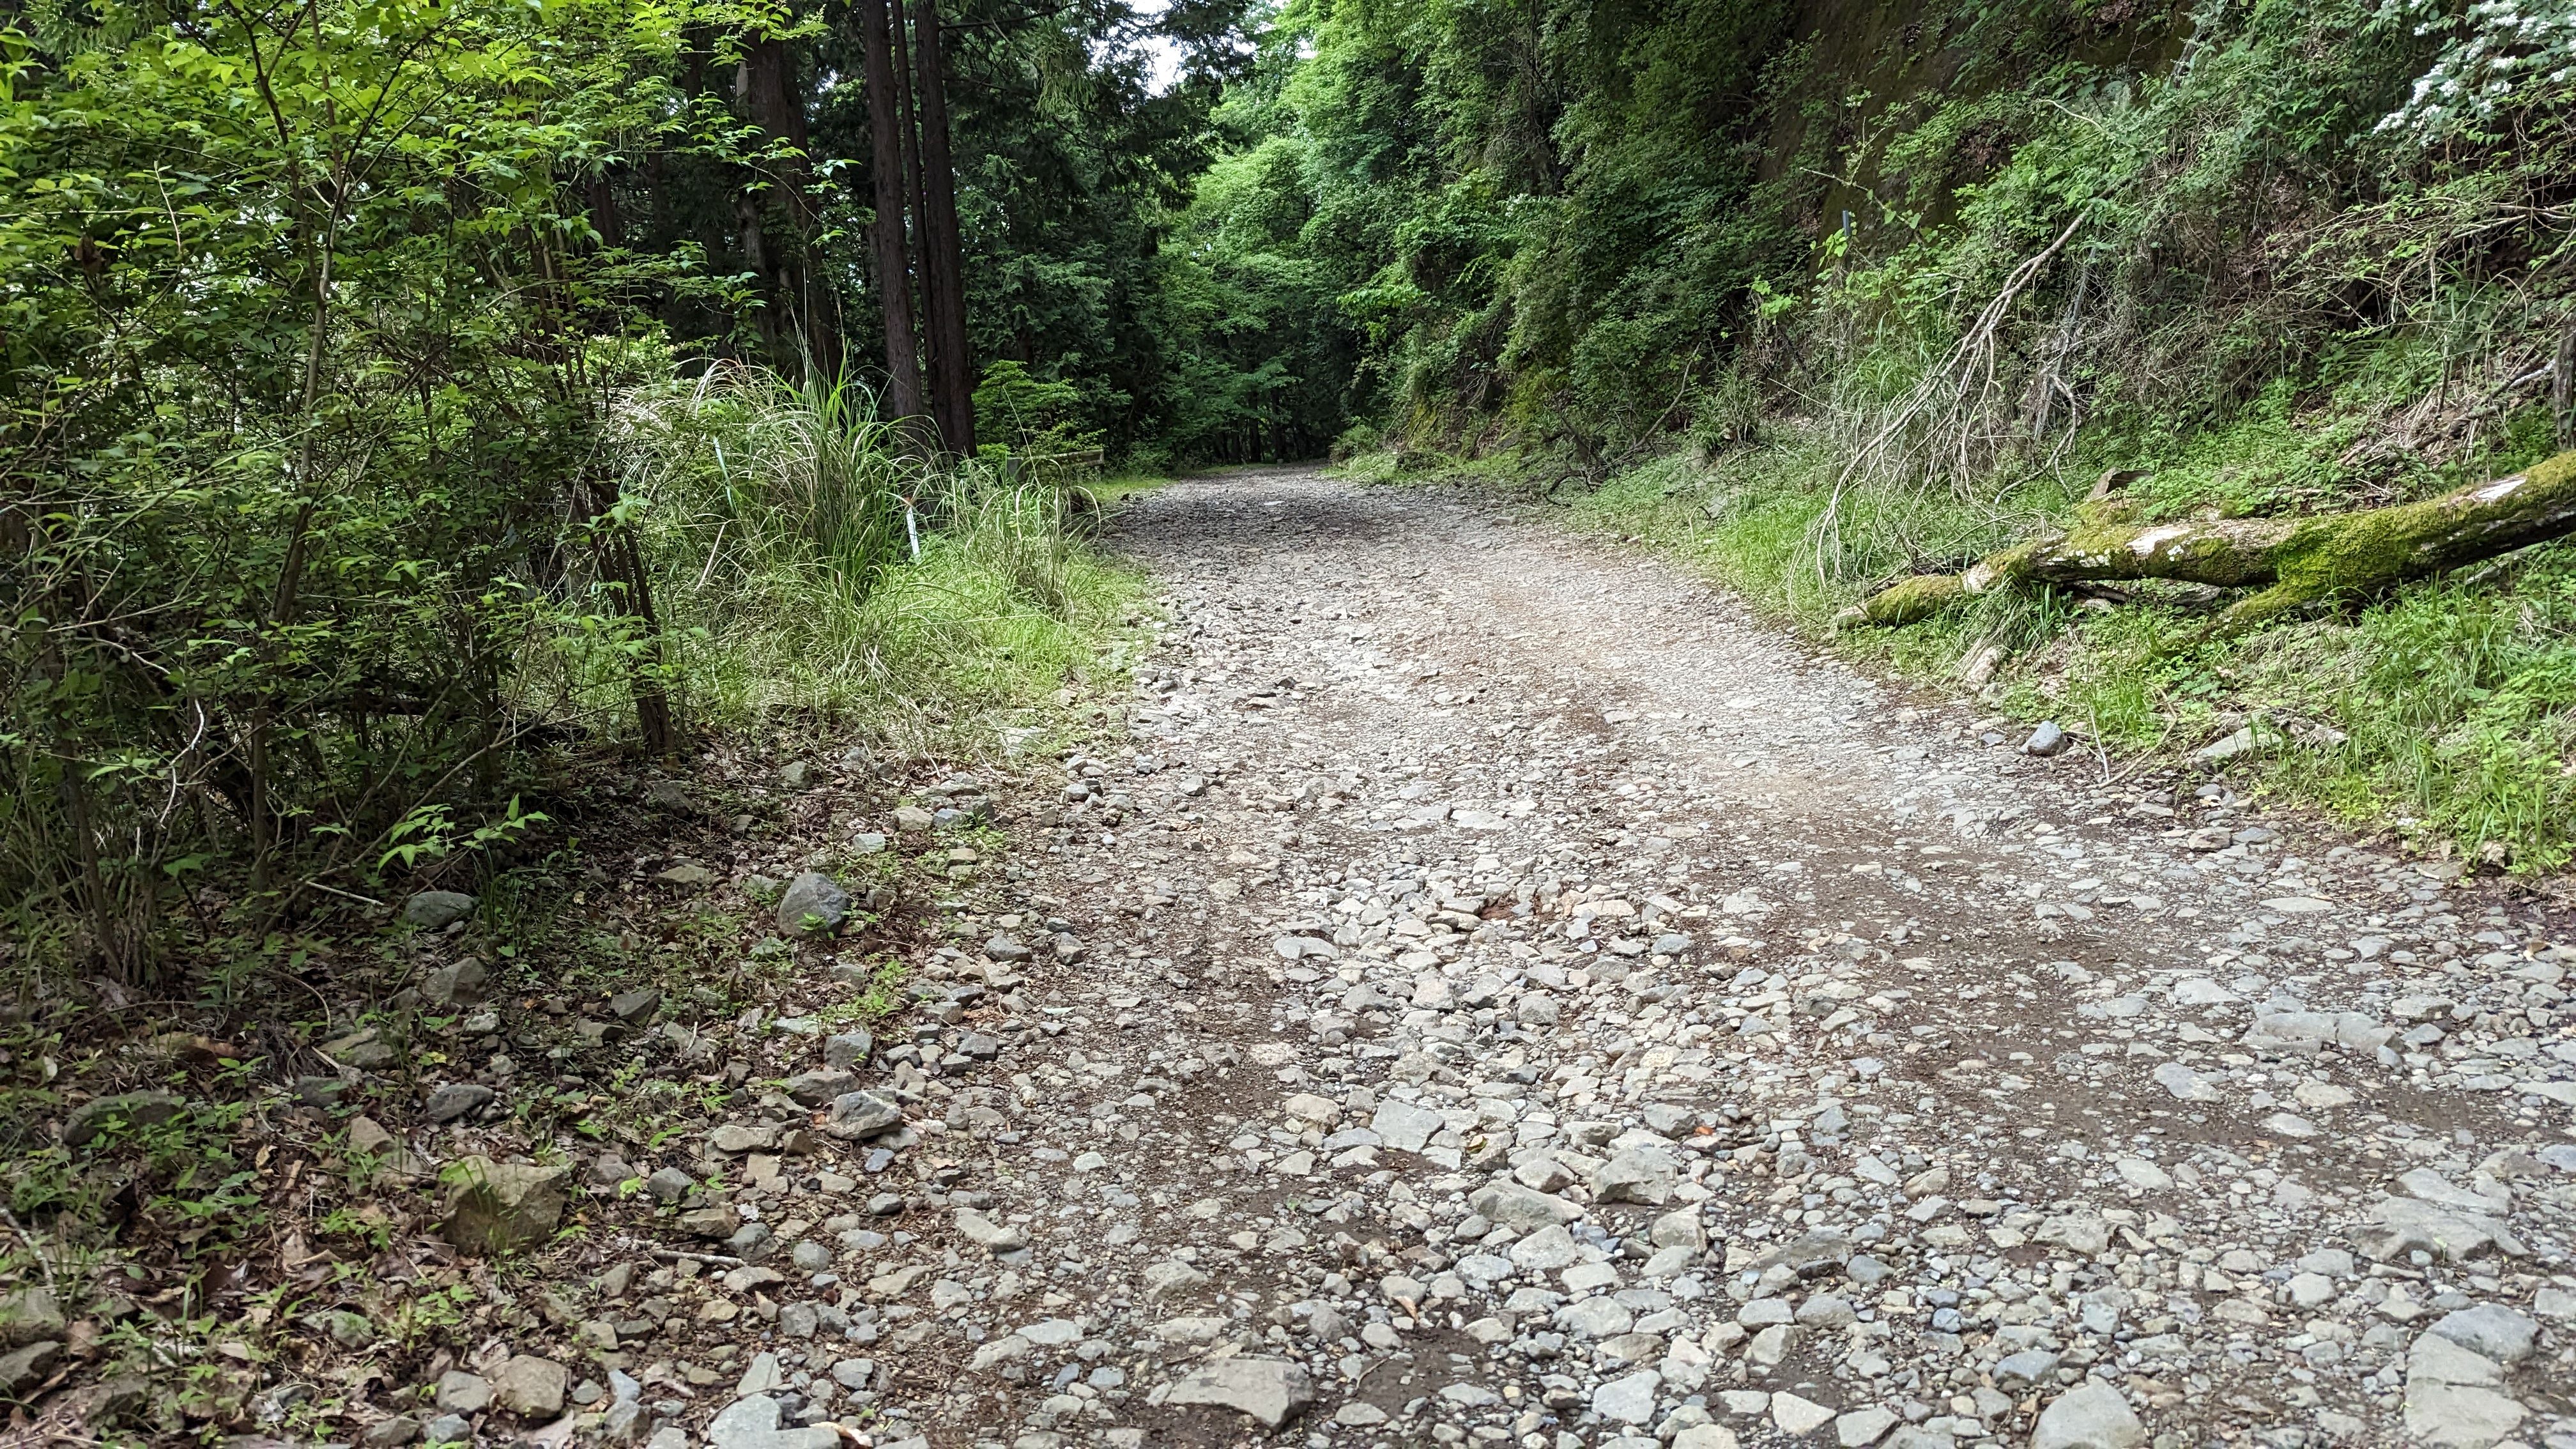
(1501, 993)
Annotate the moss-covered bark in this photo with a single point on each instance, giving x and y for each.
(2290, 562)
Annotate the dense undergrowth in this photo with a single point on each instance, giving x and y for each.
(823, 572)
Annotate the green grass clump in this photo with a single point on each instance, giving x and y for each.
(815, 564)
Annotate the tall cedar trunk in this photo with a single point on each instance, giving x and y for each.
(908, 132)
(893, 256)
(604, 215)
(943, 286)
(754, 241)
(766, 85)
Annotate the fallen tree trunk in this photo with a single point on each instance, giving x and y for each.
(2292, 562)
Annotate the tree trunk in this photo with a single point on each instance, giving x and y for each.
(943, 288)
(621, 565)
(893, 255)
(2292, 563)
(766, 87)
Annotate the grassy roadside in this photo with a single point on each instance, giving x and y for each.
(228, 1198)
(2440, 711)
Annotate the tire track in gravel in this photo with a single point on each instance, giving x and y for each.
(1512, 996)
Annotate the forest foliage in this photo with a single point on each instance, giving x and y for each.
(404, 402)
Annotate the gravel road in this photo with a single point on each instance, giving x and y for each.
(1500, 992)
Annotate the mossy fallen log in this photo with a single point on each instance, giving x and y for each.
(2291, 563)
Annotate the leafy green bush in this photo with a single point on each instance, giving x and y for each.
(352, 476)
(308, 356)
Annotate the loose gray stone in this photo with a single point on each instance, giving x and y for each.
(1798, 1417)
(813, 1089)
(1628, 1400)
(989, 1235)
(1405, 1127)
(2092, 1415)
(25, 1367)
(849, 1048)
(1271, 1391)
(1640, 1175)
(2184, 1084)
(530, 1387)
(452, 1100)
(499, 1207)
(813, 905)
(1862, 1427)
(459, 983)
(129, 1109)
(2454, 1397)
(460, 1392)
(2491, 1330)
(752, 1423)
(859, 1115)
(1514, 1206)
(2226, 747)
(436, 910)
(635, 1007)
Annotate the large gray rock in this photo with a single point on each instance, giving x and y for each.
(2297, 1031)
(451, 1100)
(2401, 1225)
(530, 1387)
(1269, 1390)
(848, 1048)
(752, 1423)
(989, 1235)
(1168, 1280)
(1628, 1400)
(1545, 1251)
(2082, 1233)
(2092, 1415)
(635, 1007)
(127, 1109)
(27, 1366)
(436, 910)
(2185, 1084)
(813, 1089)
(460, 1392)
(1404, 1126)
(1640, 1175)
(2492, 1330)
(2455, 1397)
(859, 1115)
(813, 905)
(501, 1207)
(457, 984)
(1515, 1206)
(1862, 1427)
